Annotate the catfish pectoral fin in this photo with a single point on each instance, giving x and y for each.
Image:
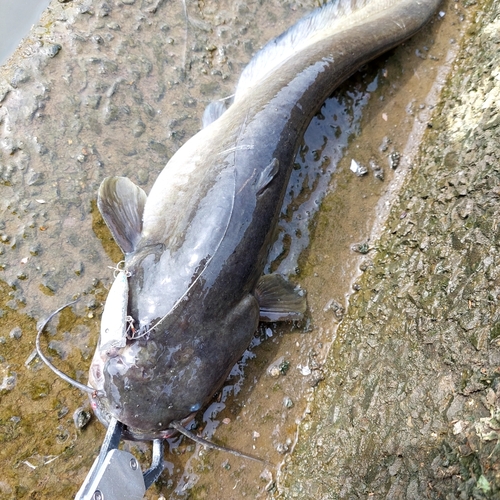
(121, 204)
(278, 299)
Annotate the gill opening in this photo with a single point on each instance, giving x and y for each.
(59, 373)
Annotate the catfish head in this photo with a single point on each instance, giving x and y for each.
(149, 379)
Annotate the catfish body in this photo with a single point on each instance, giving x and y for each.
(196, 247)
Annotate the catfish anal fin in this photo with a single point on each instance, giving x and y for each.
(121, 204)
(278, 299)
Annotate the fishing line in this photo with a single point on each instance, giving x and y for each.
(67, 378)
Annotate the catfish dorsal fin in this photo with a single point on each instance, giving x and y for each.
(212, 112)
(278, 299)
(114, 316)
(121, 204)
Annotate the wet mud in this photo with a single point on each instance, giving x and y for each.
(114, 88)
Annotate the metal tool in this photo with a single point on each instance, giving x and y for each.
(116, 474)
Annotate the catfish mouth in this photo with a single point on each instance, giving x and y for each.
(100, 405)
(132, 433)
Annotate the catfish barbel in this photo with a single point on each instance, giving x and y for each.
(189, 296)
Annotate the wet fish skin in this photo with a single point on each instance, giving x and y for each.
(195, 250)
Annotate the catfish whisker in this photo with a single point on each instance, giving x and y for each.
(209, 444)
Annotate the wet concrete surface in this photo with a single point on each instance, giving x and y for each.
(114, 88)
